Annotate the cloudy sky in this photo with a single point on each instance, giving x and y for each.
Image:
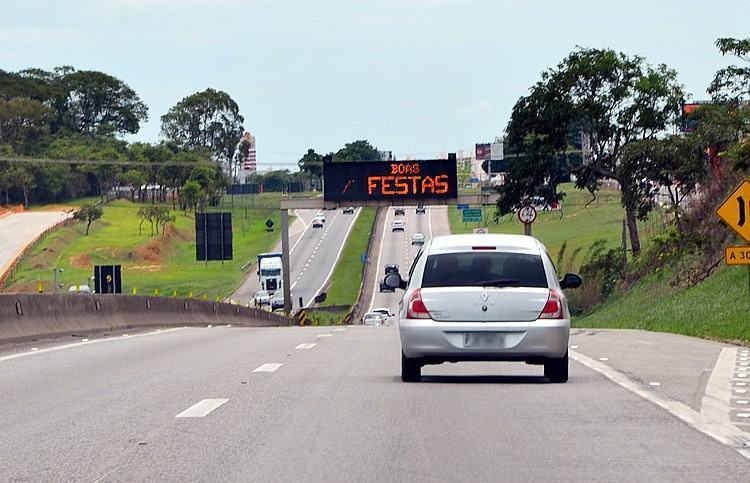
(417, 77)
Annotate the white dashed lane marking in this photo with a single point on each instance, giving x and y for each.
(202, 408)
(308, 345)
(320, 336)
(270, 367)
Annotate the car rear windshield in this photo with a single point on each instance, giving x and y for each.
(478, 269)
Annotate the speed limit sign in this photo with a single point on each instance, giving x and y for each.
(527, 215)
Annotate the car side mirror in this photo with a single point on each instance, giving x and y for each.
(393, 280)
(571, 280)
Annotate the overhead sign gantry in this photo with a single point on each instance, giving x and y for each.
(379, 183)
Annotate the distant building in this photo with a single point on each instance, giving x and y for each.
(386, 155)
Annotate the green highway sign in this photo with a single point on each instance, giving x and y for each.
(472, 215)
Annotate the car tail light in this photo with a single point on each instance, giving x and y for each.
(416, 308)
(553, 308)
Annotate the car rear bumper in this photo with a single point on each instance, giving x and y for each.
(542, 338)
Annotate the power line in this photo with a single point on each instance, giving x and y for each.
(112, 162)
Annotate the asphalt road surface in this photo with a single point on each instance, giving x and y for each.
(327, 404)
(19, 229)
(314, 252)
(396, 247)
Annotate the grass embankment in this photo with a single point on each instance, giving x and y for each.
(164, 262)
(716, 308)
(579, 225)
(346, 280)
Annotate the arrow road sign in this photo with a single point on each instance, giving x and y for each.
(735, 211)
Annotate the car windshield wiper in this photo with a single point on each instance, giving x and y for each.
(499, 282)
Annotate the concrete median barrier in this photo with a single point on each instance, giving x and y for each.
(30, 316)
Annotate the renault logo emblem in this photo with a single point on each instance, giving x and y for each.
(485, 296)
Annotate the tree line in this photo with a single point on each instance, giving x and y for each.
(66, 114)
(627, 119)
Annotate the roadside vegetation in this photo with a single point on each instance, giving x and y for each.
(670, 168)
(163, 263)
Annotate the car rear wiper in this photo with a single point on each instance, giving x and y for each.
(500, 282)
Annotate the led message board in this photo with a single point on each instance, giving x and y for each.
(389, 180)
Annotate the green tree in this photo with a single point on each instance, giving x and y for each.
(97, 103)
(134, 179)
(732, 83)
(209, 119)
(312, 164)
(88, 214)
(191, 195)
(360, 150)
(731, 88)
(613, 100)
(22, 120)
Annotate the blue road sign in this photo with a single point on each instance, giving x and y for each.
(472, 215)
(462, 207)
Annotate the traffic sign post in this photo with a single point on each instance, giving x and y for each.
(527, 216)
(735, 212)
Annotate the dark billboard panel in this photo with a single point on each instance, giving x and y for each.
(392, 180)
(213, 236)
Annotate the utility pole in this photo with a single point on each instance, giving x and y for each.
(286, 275)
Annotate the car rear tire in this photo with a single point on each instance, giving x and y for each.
(556, 370)
(411, 369)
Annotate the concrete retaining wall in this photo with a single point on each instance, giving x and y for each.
(28, 316)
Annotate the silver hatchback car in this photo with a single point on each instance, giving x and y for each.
(484, 298)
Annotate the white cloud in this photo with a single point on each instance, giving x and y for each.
(475, 108)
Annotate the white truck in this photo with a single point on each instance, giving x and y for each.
(269, 271)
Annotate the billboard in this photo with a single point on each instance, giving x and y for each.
(213, 236)
(483, 151)
(688, 124)
(397, 181)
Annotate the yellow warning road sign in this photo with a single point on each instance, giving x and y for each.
(735, 211)
(737, 255)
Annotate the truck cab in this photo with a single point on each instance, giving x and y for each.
(269, 271)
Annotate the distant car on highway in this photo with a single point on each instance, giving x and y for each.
(417, 239)
(262, 297)
(484, 297)
(421, 210)
(321, 215)
(398, 225)
(400, 211)
(318, 222)
(277, 302)
(389, 268)
(374, 318)
(383, 310)
(349, 210)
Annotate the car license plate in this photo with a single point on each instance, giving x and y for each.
(483, 340)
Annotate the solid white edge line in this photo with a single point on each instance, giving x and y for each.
(299, 217)
(336, 260)
(89, 342)
(716, 402)
(726, 434)
(202, 408)
(375, 285)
